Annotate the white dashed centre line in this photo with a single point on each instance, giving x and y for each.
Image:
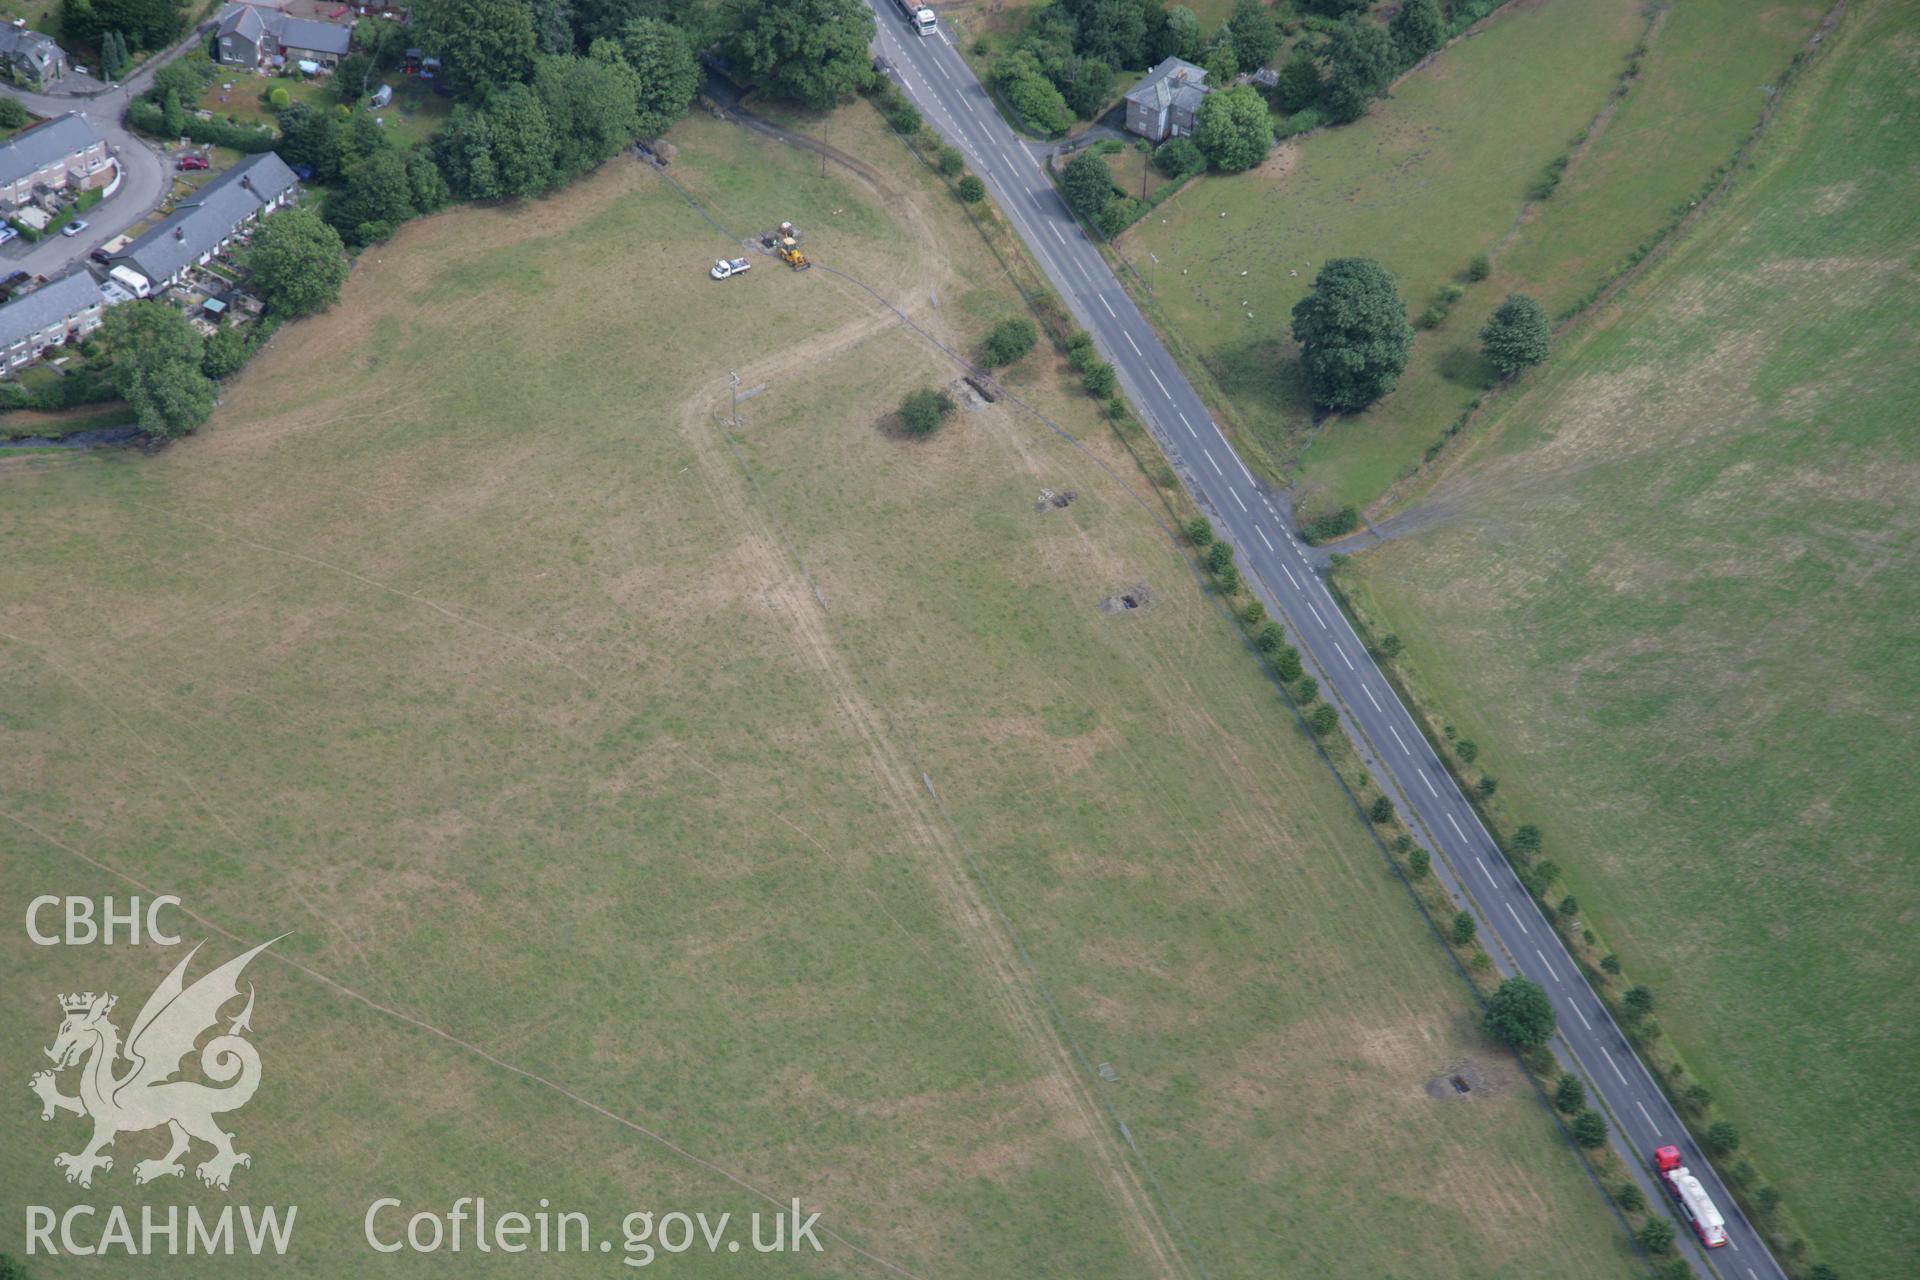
(1290, 578)
(1435, 794)
(1404, 749)
(1161, 385)
(1316, 616)
(1456, 827)
(1516, 918)
(1583, 1018)
(1109, 307)
(1236, 462)
(1370, 697)
(1056, 233)
(1610, 1062)
(1130, 341)
(1483, 867)
(1236, 497)
(1212, 463)
(1342, 652)
(1188, 425)
(1548, 963)
(1263, 536)
(1649, 1119)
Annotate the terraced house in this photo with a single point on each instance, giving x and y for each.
(64, 152)
(209, 220)
(69, 307)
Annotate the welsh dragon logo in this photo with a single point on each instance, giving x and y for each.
(145, 1095)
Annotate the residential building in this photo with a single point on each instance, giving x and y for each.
(1164, 103)
(256, 36)
(63, 152)
(208, 220)
(30, 58)
(69, 307)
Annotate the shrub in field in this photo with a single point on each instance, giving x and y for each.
(1526, 838)
(1590, 1129)
(1219, 556)
(1323, 720)
(1099, 380)
(951, 162)
(1417, 30)
(1381, 810)
(1199, 531)
(1299, 86)
(1418, 863)
(922, 412)
(1464, 929)
(1480, 267)
(971, 189)
(1286, 663)
(1721, 1137)
(1639, 1001)
(1569, 1094)
(1307, 690)
(1610, 963)
(1656, 1235)
(1254, 614)
(1007, 341)
(1628, 1197)
(1466, 749)
(1270, 639)
(1179, 158)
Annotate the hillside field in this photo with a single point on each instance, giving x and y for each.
(1672, 596)
(670, 814)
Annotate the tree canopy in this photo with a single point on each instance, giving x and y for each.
(811, 51)
(298, 261)
(1360, 60)
(1256, 35)
(1088, 184)
(1353, 334)
(156, 367)
(482, 43)
(1417, 30)
(592, 105)
(668, 74)
(1520, 1014)
(1233, 129)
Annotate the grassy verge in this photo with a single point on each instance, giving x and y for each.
(1667, 607)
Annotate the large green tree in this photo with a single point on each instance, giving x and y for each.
(481, 43)
(812, 51)
(298, 262)
(592, 105)
(1417, 30)
(667, 72)
(1520, 1013)
(1516, 336)
(376, 196)
(1256, 35)
(1360, 60)
(1353, 334)
(1181, 35)
(1233, 129)
(156, 367)
(1088, 184)
(523, 143)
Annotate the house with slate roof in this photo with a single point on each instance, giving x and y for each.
(209, 220)
(30, 58)
(63, 152)
(63, 309)
(1166, 100)
(254, 36)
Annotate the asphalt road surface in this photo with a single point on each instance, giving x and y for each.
(949, 97)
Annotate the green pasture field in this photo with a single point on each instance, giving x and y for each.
(584, 743)
(1671, 595)
(1436, 174)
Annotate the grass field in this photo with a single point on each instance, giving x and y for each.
(1436, 174)
(1672, 597)
(569, 728)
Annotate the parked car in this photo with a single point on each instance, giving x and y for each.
(74, 228)
(101, 256)
(726, 267)
(190, 163)
(8, 233)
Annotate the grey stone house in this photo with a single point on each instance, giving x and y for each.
(209, 220)
(68, 307)
(31, 58)
(63, 152)
(253, 36)
(1166, 100)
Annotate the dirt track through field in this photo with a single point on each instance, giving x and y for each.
(782, 582)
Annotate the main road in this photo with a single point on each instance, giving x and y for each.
(1472, 867)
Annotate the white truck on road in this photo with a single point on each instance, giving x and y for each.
(919, 17)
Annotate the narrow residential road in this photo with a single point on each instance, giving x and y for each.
(145, 174)
(1472, 867)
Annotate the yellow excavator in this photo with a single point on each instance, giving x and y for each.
(788, 247)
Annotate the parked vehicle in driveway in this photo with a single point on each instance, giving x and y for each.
(726, 267)
(8, 233)
(74, 228)
(189, 163)
(101, 256)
